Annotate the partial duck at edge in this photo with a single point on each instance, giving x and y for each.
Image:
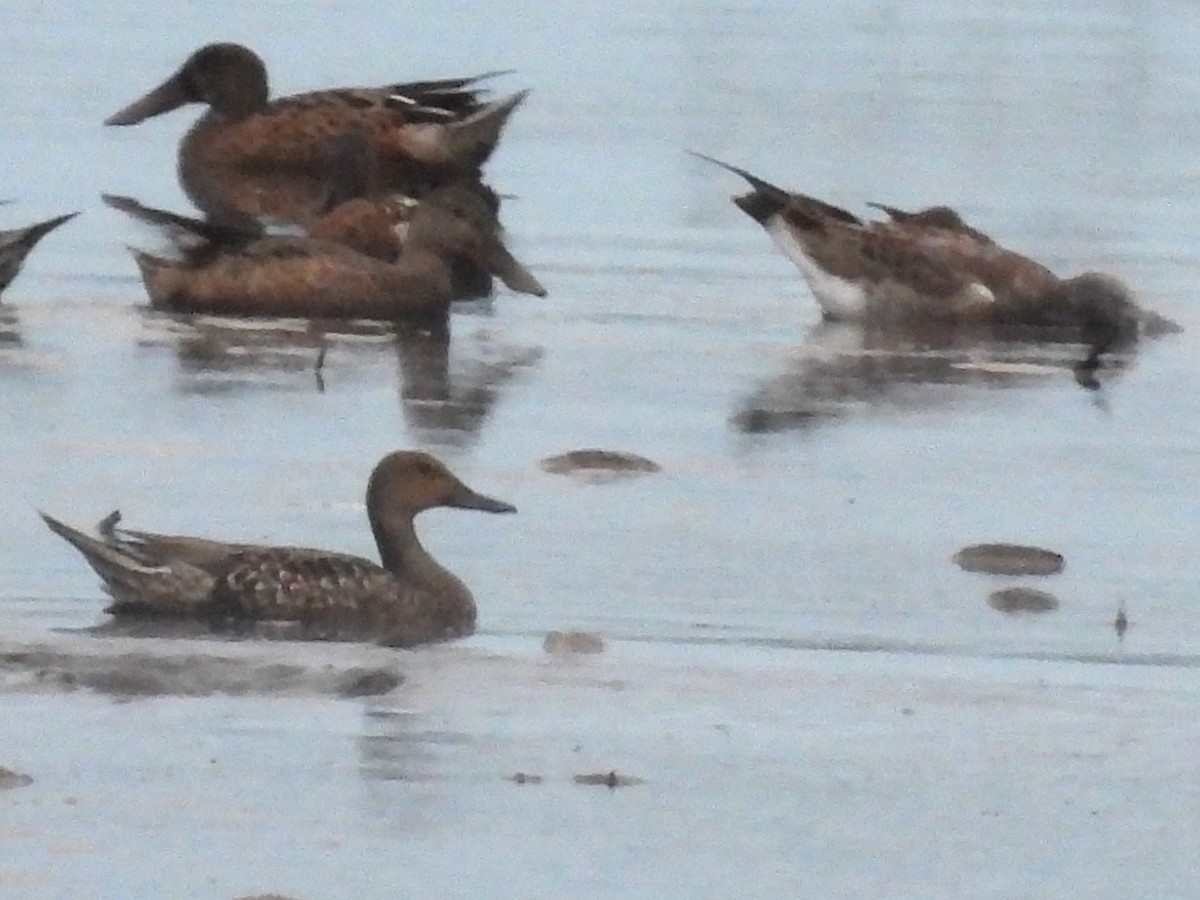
(16, 243)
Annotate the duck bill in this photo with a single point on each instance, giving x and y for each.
(169, 95)
(465, 498)
(506, 267)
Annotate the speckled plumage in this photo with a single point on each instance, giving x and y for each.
(408, 599)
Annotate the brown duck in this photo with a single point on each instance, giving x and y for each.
(324, 595)
(257, 156)
(228, 270)
(928, 266)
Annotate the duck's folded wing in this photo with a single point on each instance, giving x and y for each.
(299, 584)
(137, 584)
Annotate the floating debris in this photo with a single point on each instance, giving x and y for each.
(608, 779)
(573, 642)
(370, 682)
(1022, 599)
(1121, 622)
(319, 367)
(599, 466)
(1009, 559)
(525, 778)
(10, 779)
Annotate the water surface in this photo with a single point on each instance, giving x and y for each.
(772, 601)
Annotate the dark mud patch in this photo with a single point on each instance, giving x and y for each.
(612, 779)
(1009, 559)
(140, 674)
(1022, 600)
(599, 466)
(525, 778)
(10, 780)
(561, 643)
(369, 682)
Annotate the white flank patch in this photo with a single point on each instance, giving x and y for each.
(839, 298)
(980, 293)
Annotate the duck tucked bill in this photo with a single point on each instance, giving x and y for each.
(930, 265)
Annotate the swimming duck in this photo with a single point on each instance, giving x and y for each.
(16, 243)
(409, 599)
(247, 147)
(929, 266)
(229, 271)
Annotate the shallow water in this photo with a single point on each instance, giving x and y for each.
(772, 600)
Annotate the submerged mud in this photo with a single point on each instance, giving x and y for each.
(124, 671)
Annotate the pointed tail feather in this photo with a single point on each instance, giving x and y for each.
(765, 187)
(173, 589)
(769, 199)
(217, 232)
(446, 85)
(16, 243)
(110, 561)
(446, 98)
(35, 233)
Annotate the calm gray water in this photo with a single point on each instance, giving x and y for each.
(671, 323)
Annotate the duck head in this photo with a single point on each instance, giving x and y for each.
(407, 482)
(460, 221)
(229, 78)
(1107, 317)
(1102, 306)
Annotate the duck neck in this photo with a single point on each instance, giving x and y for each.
(418, 256)
(402, 554)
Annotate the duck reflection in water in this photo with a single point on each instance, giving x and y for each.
(448, 386)
(447, 402)
(10, 329)
(930, 268)
(849, 369)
